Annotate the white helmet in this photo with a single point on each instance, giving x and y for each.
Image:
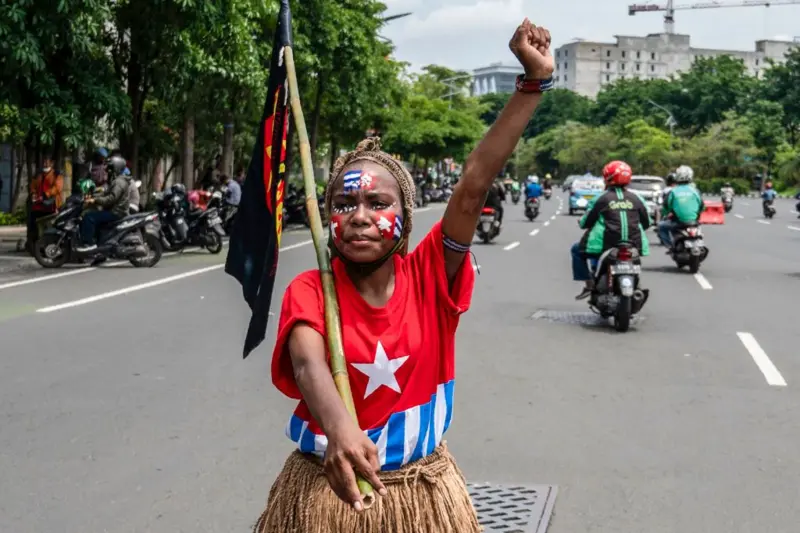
(684, 174)
(534, 179)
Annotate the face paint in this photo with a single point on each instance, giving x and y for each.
(390, 225)
(336, 228)
(352, 181)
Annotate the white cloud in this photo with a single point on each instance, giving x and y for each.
(466, 21)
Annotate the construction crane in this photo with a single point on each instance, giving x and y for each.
(671, 8)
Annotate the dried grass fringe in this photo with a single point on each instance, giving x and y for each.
(427, 496)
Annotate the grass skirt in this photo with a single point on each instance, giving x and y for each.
(427, 496)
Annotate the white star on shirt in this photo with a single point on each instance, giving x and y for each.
(381, 372)
(384, 224)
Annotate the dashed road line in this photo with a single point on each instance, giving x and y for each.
(762, 222)
(701, 279)
(534, 232)
(511, 246)
(553, 217)
(793, 228)
(149, 284)
(547, 223)
(739, 216)
(762, 360)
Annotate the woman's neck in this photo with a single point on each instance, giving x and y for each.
(377, 287)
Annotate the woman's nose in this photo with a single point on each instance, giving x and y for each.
(360, 215)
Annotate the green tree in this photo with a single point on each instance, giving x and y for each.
(558, 107)
(782, 84)
(765, 119)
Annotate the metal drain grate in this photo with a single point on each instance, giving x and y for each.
(579, 318)
(513, 509)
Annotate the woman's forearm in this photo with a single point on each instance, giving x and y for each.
(488, 158)
(316, 384)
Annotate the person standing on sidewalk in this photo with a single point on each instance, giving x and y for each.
(45, 196)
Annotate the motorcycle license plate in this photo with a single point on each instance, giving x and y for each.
(693, 244)
(487, 218)
(214, 221)
(625, 268)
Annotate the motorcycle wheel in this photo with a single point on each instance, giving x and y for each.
(694, 264)
(622, 318)
(152, 259)
(213, 242)
(40, 251)
(487, 238)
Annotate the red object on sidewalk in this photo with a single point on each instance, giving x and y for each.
(713, 214)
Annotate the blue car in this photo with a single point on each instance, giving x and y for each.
(582, 192)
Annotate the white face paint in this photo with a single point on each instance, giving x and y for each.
(46, 169)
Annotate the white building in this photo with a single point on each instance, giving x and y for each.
(585, 67)
(496, 78)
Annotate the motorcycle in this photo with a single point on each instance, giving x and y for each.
(515, 196)
(688, 247)
(182, 225)
(134, 238)
(769, 208)
(727, 202)
(227, 211)
(294, 207)
(488, 225)
(531, 208)
(548, 193)
(617, 292)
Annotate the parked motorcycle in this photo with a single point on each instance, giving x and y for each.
(727, 202)
(548, 193)
(532, 208)
(769, 208)
(515, 196)
(134, 238)
(294, 207)
(182, 225)
(488, 225)
(617, 292)
(688, 247)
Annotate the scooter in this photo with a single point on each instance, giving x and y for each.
(532, 208)
(617, 292)
(769, 208)
(548, 193)
(688, 247)
(488, 225)
(133, 238)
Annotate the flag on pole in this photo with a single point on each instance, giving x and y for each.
(256, 237)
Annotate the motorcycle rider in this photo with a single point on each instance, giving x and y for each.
(532, 188)
(769, 193)
(683, 205)
(548, 181)
(495, 199)
(616, 215)
(727, 190)
(114, 204)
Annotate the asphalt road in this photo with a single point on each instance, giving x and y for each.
(126, 406)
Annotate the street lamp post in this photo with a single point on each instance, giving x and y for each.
(671, 122)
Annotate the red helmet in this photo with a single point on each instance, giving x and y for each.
(617, 173)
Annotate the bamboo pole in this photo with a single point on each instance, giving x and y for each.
(332, 323)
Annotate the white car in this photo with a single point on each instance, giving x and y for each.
(650, 188)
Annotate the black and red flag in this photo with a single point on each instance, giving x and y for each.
(255, 240)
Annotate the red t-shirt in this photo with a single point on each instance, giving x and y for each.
(401, 358)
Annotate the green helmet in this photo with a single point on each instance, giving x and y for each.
(86, 186)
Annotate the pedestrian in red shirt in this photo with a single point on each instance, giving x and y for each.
(399, 313)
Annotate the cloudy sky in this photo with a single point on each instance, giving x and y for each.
(466, 34)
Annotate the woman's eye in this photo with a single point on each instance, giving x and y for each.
(343, 208)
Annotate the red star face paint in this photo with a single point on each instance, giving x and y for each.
(390, 225)
(336, 228)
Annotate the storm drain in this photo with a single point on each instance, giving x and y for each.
(513, 509)
(578, 318)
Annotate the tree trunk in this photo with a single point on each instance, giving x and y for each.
(187, 150)
(18, 160)
(227, 145)
(315, 116)
(334, 154)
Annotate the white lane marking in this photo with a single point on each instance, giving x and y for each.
(762, 360)
(738, 216)
(511, 246)
(793, 228)
(534, 232)
(45, 278)
(547, 223)
(762, 222)
(553, 217)
(701, 279)
(149, 284)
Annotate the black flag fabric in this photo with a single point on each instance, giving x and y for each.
(255, 241)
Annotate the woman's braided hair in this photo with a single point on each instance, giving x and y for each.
(370, 150)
